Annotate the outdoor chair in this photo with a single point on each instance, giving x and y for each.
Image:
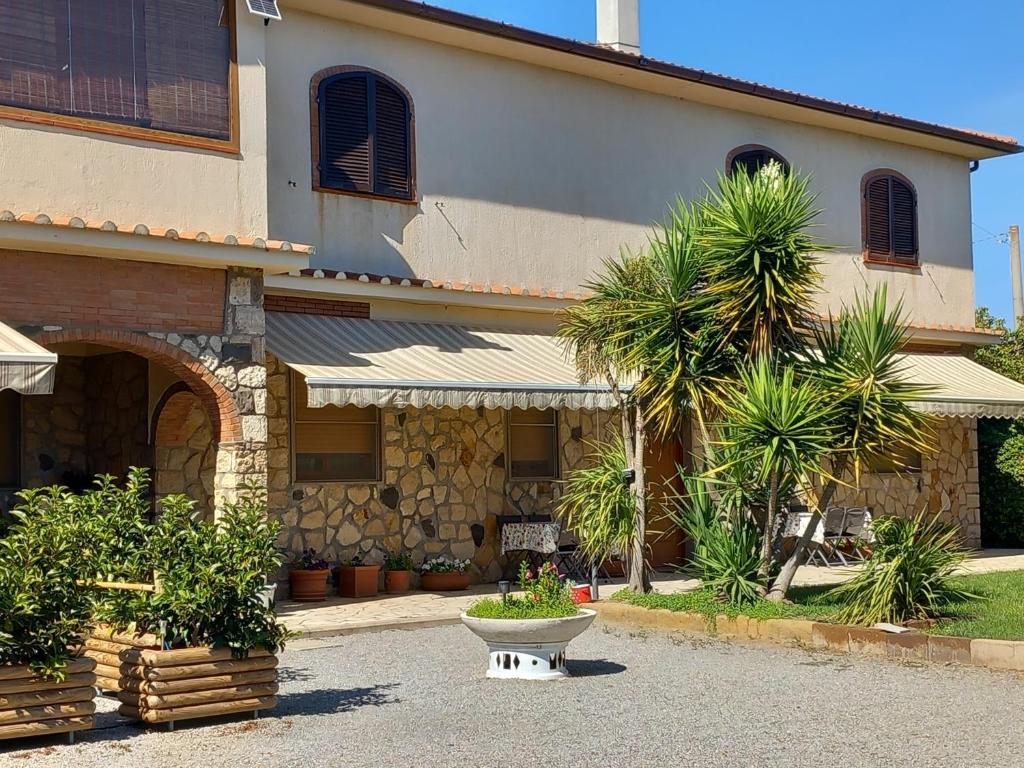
(835, 526)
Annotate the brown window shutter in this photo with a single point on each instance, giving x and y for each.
(345, 134)
(877, 237)
(904, 222)
(391, 141)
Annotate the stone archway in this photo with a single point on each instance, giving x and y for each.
(239, 442)
(216, 399)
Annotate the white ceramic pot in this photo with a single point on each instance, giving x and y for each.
(529, 649)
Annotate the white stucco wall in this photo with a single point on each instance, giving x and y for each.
(532, 176)
(64, 172)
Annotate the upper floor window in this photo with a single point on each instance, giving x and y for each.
(890, 218)
(753, 157)
(364, 122)
(120, 65)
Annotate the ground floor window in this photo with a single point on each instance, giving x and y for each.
(896, 460)
(334, 443)
(10, 438)
(533, 444)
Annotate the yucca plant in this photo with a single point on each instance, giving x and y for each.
(727, 560)
(598, 506)
(908, 576)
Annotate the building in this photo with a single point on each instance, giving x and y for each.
(326, 253)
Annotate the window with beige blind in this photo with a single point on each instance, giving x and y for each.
(533, 444)
(10, 433)
(149, 64)
(333, 443)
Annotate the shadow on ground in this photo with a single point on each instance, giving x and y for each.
(334, 701)
(593, 667)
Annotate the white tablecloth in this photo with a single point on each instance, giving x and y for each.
(536, 537)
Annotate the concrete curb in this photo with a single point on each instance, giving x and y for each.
(863, 641)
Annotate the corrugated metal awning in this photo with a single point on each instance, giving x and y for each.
(963, 388)
(25, 366)
(387, 363)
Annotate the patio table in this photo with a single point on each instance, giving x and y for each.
(529, 541)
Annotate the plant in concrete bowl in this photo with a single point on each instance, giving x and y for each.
(444, 574)
(527, 634)
(356, 578)
(397, 572)
(307, 577)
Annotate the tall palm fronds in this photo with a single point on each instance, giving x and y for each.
(859, 359)
(762, 263)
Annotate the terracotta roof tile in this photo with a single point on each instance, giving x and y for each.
(144, 230)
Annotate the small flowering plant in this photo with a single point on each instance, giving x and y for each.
(443, 564)
(545, 585)
(308, 561)
(398, 561)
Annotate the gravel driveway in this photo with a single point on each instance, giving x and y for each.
(419, 698)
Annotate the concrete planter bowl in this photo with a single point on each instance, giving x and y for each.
(529, 649)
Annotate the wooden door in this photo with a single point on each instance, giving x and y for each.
(666, 542)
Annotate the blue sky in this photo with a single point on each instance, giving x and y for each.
(944, 61)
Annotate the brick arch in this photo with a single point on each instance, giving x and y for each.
(171, 413)
(216, 399)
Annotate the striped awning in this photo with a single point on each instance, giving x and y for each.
(963, 388)
(25, 366)
(387, 363)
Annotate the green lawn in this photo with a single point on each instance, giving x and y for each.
(997, 614)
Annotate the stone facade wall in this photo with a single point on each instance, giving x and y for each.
(444, 484)
(185, 452)
(946, 485)
(117, 424)
(53, 432)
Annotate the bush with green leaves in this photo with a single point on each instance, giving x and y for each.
(44, 614)
(1001, 465)
(909, 574)
(212, 577)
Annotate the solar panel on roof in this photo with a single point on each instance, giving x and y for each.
(265, 8)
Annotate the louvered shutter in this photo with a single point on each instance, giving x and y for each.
(345, 134)
(753, 160)
(877, 238)
(391, 141)
(904, 222)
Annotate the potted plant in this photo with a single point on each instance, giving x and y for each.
(527, 634)
(356, 578)
(307, 577)
(444, 574)
(397, 572)
(45, 688)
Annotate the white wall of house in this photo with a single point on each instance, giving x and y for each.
(528, 175)
(65, 172)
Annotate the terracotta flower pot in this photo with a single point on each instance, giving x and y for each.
(308, 586)
(357, 580)
(396, 582)
(444, 582)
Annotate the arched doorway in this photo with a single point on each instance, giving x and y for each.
(184, 451)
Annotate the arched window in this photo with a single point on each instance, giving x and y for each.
(890, 218)
(750, 158)
(363, 134)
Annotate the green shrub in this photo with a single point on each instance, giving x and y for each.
(908, 576)
(43, 613)
(1001, 463)
(726, 560)
(212, 577)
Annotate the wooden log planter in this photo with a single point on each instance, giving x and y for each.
(34, 706)
(105, 647)
(181, 684)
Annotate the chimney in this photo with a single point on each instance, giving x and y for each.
(618, 25)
